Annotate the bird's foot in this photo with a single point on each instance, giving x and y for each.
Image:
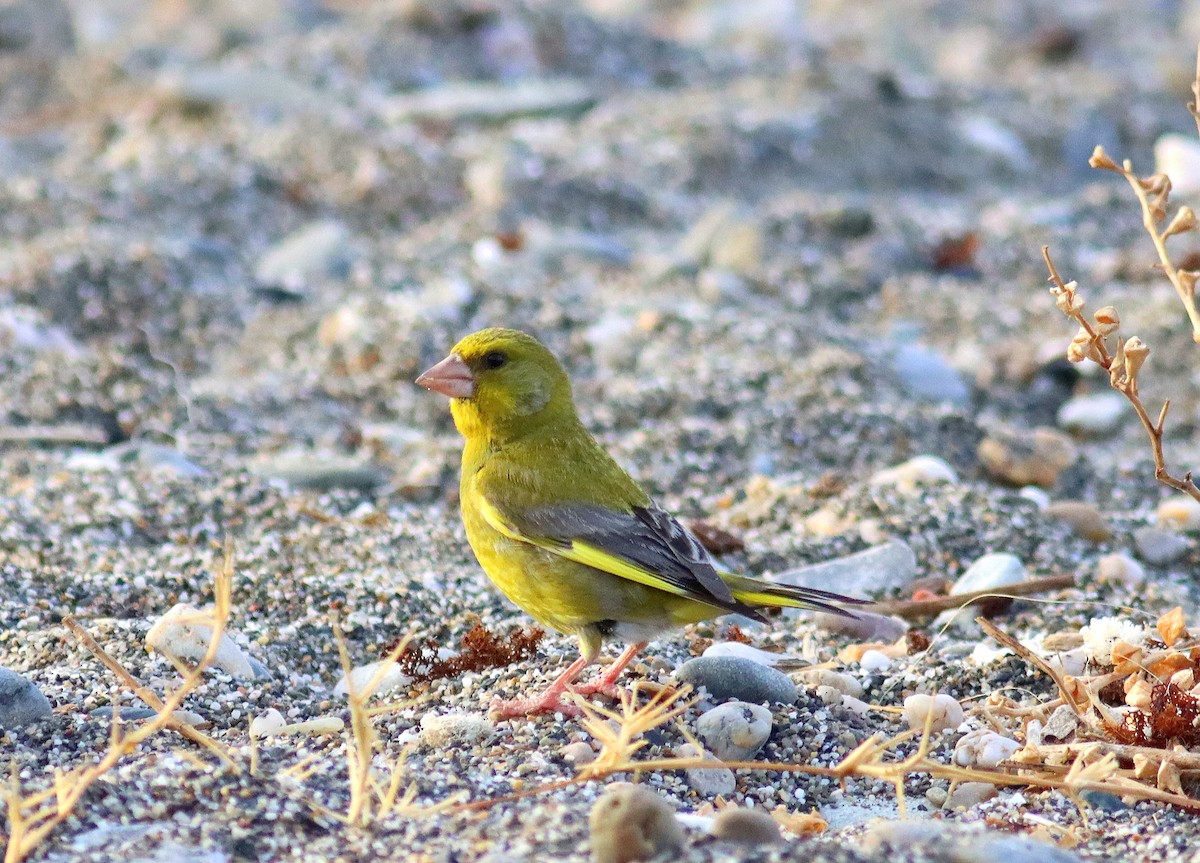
(550, 701)
(600, 685)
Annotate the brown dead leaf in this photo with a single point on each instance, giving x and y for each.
(1168, 665)
(1126, 658)
(1171, 626)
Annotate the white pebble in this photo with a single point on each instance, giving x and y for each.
(736, 730)
(1095, 414)
(267, 723)
(1120, 568)
(362, 676)
(1039, 496)
(707, 781)
(835, 680)
(997, 569)
(983, 748)
(917, 471)
(947, 712)
(874, 660)
(1181, 512)
(184, 633)
(746, 651)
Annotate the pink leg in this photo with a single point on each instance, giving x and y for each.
(548, 702)
(606, 683)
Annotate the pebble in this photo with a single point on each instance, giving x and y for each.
(268, 722)
(578, 753)
(459, 729)
(1159, 547)
(1120, 568)
(1178, 156)
(947, 712)
(181, 635)
(707, 781)
(491, 102)
(316, 251)
(631, 822)
(992, 570)
(734, 731)
(1035, 495)
(1094, 414)
(362, 675)
(936, 795)
(967, 795)
(874, 660)
(126, 714)
(837, 680)
(882, 568)
(754, 654)
(1010, 849)
(1082, 517)
(1019, 458)
(1181, 512)
(864, 626)
(917, 471)
(21, 702)
(746, 827)
(726, 677)
(318, 471)
(926, 375)
(983, 748)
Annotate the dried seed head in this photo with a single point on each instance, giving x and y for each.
(1077, 351)
(1184, 221)
(1154, 184)
(1101, 161)
(1188, 279)
(1068, 302)
(1136, 352)
(1107, 321)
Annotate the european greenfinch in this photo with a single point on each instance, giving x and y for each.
(564, 531)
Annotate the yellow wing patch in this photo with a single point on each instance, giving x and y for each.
(585, 554)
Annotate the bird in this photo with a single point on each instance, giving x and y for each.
(565, 532)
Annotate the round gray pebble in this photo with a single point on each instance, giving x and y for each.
(726, 677)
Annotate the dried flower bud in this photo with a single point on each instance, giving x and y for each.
(1188, 278)
(1101, 161)
(1154, 184)
(1107, 321)
(1077, 351)
(1116, 369)
(1136, 352)
(1184, 221)
(1158, 209)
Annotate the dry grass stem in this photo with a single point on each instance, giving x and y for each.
(928, 607)
(32, 817)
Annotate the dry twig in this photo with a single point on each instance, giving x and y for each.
(928, 607)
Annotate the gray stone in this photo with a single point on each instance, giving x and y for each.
(746, 827)
(317, 250)
(320, 471)
(20, 701)
(926, 375)
(1159, 547)
(735, 731)
(726, 677)
(491, 102)
(707, 781)
(1094, 414)
(882, 568)
(863, 626)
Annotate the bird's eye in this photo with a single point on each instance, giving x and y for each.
(495, 359)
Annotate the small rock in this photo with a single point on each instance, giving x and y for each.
(182, 634)
(631, 822)
(491, 102)
(1159, 547)
(267, 723)
(864, 626)
(886, 567)
(936, 796)
(1093, 415)
(843, 683)
(829, 695)
(983, 748)
(1083, 518)
(735, 731)
(316, 251)
(362, 676)
(990, 848)
(578, 753)
(1059, 728)
(947, 712)
(726, 677)
(746, 827)
(126, 714)
(990, 571)
(754, 654)
(1181, 512)
(1120, 568)
(969, 794)
(320, 471)
(21, 702)
(736, 247)
(458, 729)
(707, 781)
(1178, 156)
(1037, 496)
(917, 471)
(926, 375)
(874, 660)
(1104, 801)
(1026, 458)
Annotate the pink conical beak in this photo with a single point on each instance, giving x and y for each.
(450, 377)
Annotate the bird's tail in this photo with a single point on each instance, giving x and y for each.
(762, 594)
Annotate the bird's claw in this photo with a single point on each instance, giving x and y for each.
(547, 702)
